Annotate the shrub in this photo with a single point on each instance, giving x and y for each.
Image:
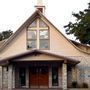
(74, 84)
(84, 85)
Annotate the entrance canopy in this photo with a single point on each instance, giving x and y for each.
(38, 55)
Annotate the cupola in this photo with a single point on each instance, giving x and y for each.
(40, 6)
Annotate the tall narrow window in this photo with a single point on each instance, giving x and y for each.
(22, 76)
(44, 39)
(32, 39)
(54, 76)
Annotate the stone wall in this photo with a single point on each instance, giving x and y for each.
(17, 78)
(64, 76)
(5, 77)
(69, 76)
(0, 77)
(83, 75)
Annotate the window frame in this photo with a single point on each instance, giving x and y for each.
(38, 29)
(31, 23)
(31, 39)
(45, 39)
(32, 30)
(41, 26)
(57, 74)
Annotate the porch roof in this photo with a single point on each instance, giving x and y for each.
(65, 59)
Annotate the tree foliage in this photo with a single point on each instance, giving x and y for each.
(5, 34)
(81, 28)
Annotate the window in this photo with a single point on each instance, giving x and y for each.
(22, 76)
(33, 24)
(54, 76)
(38, 35)
(42, 24)
(32, 34)
(44, 39)
(31, 39)
(44, 34)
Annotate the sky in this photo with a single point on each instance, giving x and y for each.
(13, 13)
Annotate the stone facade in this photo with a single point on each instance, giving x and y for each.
(83, 75)
(64, 76)
(17, 77)
(74, 73)
(5, 77)
(9, 77)
(1, 77)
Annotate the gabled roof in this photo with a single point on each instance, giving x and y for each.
(65, 59)
(25, 24)
(2, 42)
(83, 47)
(36, 14)
(77, 43)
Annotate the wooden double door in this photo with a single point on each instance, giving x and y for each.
(38, 77)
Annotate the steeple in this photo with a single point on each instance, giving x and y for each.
(40, 6)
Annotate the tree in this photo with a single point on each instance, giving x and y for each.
(5, 34)
(81, 28)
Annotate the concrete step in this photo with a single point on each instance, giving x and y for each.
(39, 89)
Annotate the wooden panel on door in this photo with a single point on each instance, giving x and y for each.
(33, 77)
(43, 76)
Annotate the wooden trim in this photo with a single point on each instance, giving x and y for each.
(43, 28)
(44, 22)
(65, 62)
(36, 52)
(32, 22)
(32, 28)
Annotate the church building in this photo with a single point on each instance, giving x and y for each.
(38, 56)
